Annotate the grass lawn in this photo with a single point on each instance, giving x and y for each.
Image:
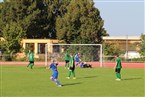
(19, 81)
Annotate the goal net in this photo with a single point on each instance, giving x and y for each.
(89, 53)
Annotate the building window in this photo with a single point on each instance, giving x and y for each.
(56, 49)
(41, 48)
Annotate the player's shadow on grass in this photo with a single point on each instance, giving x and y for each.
(88, 77)
(137, 78)
(69, 84)
(40, 68)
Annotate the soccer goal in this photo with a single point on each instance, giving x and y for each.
(90, 53)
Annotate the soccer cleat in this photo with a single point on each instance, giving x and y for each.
(68, 77)
(74, 77)
(59, 86)
(118, 79)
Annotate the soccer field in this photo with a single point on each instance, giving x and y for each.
(19, 81)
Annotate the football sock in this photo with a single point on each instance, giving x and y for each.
(52, 79)
(69, 73)
(57, 82)
(73, 74)
(119, 75)
(116, 75)
(31, 66)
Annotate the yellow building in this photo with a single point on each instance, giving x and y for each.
(130, 43)
(125, 42)
(38, 45)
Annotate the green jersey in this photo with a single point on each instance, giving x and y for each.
(31, 56)
(118, 60)
(67, 56)
(71, 61)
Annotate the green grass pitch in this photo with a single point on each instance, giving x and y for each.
(19, 81)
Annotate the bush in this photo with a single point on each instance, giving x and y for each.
(7, 57)
(20, 59)
(139, 59)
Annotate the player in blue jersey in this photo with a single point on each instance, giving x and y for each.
(77, 58)
(54, 77)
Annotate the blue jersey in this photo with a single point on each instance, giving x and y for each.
(77, 59)
(53, 66)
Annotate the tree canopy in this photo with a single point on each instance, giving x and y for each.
(69, 20)
(12, 37)
(81, 24)
(142, 45)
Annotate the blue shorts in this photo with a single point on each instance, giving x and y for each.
(55, 75)
(77, 60)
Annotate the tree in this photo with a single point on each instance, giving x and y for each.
(13, 35)
(52, 19)
(44, 25)
(52, 9)
(112, 49)
(22, 12)
(1, 24)
(142, 46)
(36, 17)
(81, 24)
(16, 17)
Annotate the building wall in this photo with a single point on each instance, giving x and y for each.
(130, 43)
(36, 44)
(126, 43)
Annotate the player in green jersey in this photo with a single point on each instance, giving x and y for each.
(67, 56)
(71, 67)
(117, 68)
(30, 58)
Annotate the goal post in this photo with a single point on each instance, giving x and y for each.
(46, 54)
(91, 53)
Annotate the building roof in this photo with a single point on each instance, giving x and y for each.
(121, 38)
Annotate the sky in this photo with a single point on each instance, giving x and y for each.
(122, 17)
